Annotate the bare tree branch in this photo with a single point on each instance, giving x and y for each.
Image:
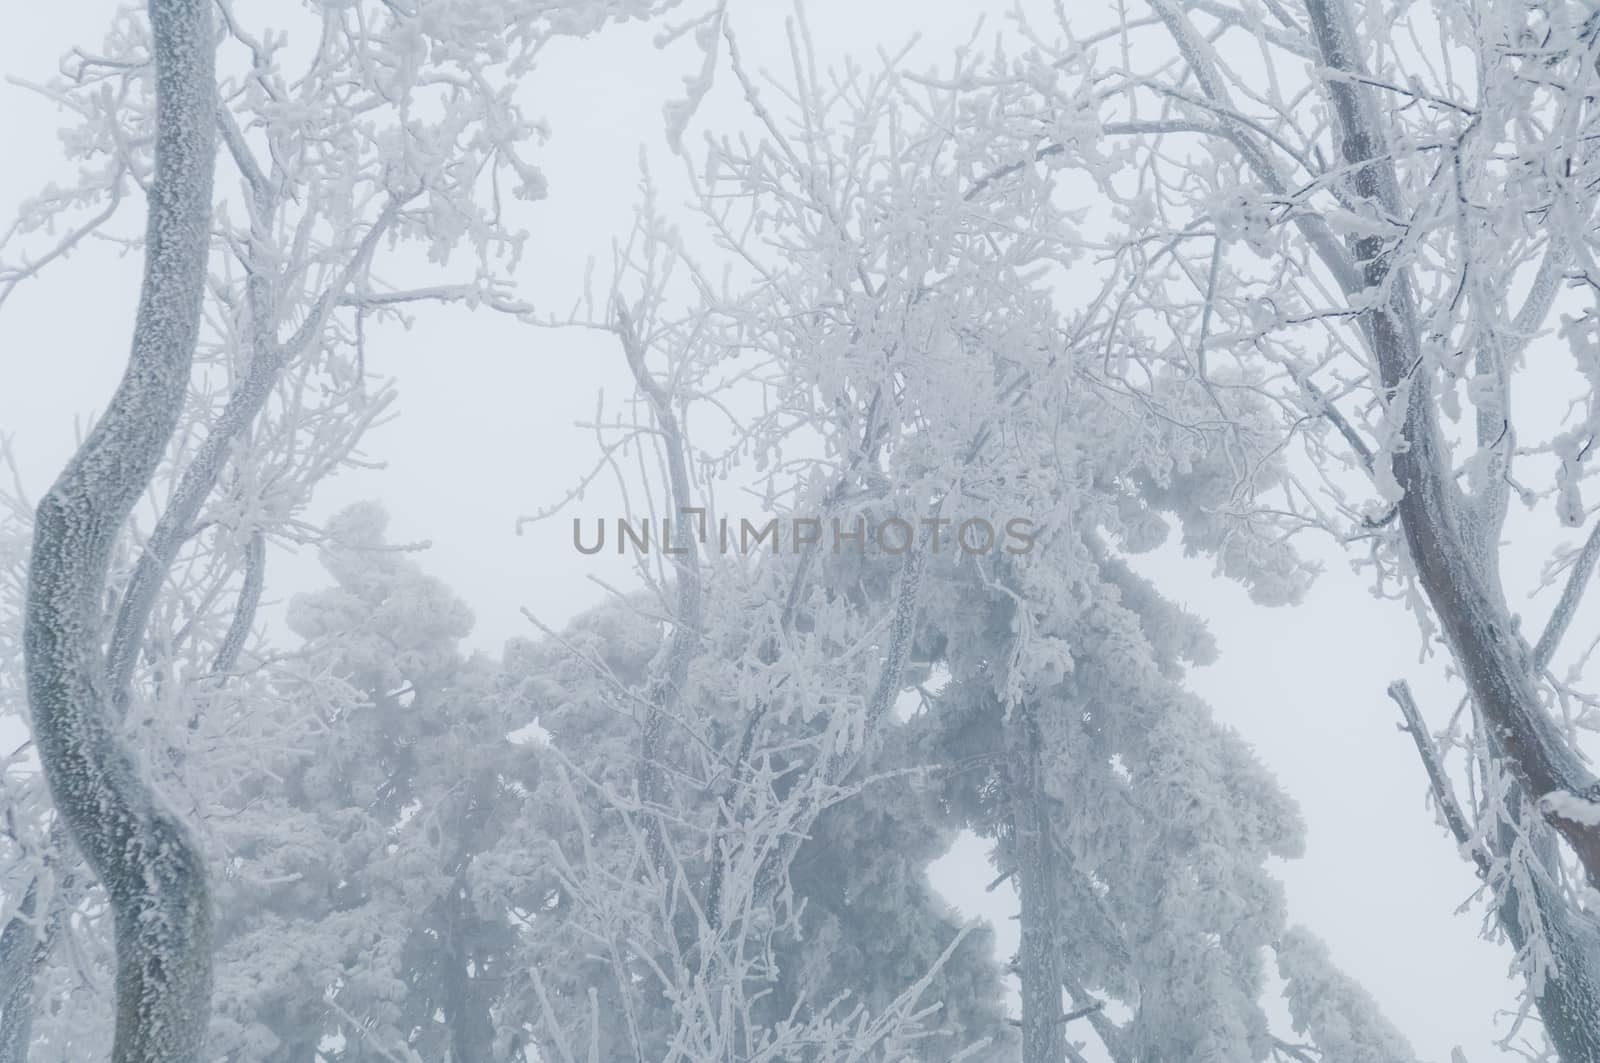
(1583, 567)
(1438, 779)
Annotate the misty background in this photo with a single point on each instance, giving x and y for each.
(484, 434)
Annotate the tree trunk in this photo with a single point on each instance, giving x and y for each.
(1436, 519)
(465, 1003)
(1432, 509)
(1043, 1033)
(152, 870)
(1569, 1000)
(16, 978)
(1569, 1003)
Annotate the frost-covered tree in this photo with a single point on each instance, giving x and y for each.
(349, 136)
(142, 851)
(36, 919)
(352, 925)
(1333, 1011)
(1375, 216)
(1136, 831)
(902, 329)
(765, 715)
(965, 410)
(861, 924)
(393, 885)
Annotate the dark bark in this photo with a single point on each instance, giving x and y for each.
(144, 855)
(1569, 1000)
(1567, 996)
(1435, 519)
(1493, 660)
(1033, 853)
(466, 1006)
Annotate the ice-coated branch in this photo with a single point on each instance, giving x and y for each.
(1298, 1053)
(1480, 635)
(834, 764)
(17, 944)
(1291, 39)
(1527, 907)
(269, 356)
(1583, 567)
(1115, 1038)
(11, 276)
(672, 671)
(145, 856)
(1325, 406)
(1202, 60)
(244, 614)
(1438, 779)
(770, 649)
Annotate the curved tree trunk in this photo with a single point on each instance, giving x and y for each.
(150, 866)
(1432, 510)
(1437, 520)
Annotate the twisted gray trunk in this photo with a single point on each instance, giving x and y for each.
(145, 857)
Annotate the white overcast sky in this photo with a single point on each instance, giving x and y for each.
(485, 434)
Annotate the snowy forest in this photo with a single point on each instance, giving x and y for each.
(744, 531)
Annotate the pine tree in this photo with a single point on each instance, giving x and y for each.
(1136, 829)
(384, 935)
